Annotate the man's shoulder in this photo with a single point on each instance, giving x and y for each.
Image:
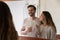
(38, 20)
(26, 19)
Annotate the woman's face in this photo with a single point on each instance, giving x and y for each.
(42, 17)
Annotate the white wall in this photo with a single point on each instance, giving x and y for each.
(53, 6)
(17, 10)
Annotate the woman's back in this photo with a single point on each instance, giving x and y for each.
(7, 30)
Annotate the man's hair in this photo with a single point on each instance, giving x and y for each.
(32, 6)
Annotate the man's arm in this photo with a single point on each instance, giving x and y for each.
(25, 30)
(23, 27)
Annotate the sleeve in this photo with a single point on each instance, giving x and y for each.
(53, 34)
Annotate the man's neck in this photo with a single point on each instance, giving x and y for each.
(32, 17)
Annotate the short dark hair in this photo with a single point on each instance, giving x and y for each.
(32, 6)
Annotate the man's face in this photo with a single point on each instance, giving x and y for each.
(31, 11)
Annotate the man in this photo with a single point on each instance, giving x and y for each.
(31, 25)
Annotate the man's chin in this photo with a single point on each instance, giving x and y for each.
(31, 15)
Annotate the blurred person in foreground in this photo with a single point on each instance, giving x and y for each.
(7, 29)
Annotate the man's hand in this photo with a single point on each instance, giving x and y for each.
(27, 30)
(24, 32)
(22, 29)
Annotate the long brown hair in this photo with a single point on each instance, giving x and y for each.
(49, 20)
(7, 29)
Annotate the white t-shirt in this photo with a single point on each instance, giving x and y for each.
(32, 24)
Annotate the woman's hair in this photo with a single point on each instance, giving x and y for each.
(7, 29)
(49, 19)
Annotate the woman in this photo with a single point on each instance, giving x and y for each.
(47, 28)
(7, 30)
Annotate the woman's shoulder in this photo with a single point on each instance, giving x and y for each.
(48, 27)
(51, 29)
